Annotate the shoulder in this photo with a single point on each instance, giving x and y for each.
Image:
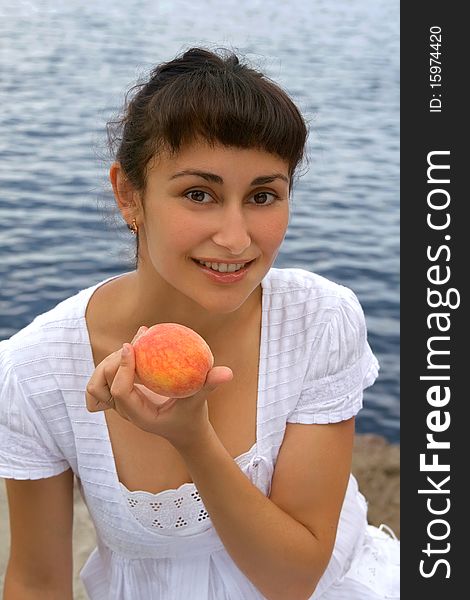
(313, 324)
(43, 335)
(40, 368)
(320, 326)
(53, 342)
(306, 294)
(295, 280)
(317, 317)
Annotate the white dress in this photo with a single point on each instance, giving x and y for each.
(314, 364)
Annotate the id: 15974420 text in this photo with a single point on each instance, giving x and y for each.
(435, 69)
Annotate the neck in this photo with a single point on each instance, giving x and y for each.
(152, 300)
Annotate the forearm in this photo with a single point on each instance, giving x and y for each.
(277, 554)
(17, 587)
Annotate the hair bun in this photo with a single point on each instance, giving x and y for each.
(192, 59)
(198, 54)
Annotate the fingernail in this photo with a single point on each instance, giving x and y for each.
(125, 350)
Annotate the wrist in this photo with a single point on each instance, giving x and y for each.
(193, 444)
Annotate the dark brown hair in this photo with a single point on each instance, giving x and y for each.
(213, 96)
(201, 93)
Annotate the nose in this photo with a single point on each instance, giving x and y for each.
(232, 231)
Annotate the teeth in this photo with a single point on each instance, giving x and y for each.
(223, 267)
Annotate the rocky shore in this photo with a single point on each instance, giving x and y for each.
(376, 465)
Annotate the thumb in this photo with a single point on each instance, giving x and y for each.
(216, 376)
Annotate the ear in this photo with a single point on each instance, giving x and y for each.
(126, 196)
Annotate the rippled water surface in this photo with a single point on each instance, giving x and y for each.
(65, 67)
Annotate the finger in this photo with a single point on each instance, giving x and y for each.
(97, 393)
(215, 377)
(123, 382)
(97, 405)
(139, 333)
(129, 401)
(138, 404)
(110, 404)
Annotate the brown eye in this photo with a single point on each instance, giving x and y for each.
(264, 198)
(197, 196)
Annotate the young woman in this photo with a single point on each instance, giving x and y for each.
(242, 490)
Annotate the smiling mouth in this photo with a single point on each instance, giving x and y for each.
(223, 268)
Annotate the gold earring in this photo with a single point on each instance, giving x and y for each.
(133, 228)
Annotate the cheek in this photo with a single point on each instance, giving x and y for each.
(176, 232)
(181, 231)
(271, 232)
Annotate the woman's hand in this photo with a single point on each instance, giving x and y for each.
(181, 421)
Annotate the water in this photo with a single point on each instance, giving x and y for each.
(64, 69)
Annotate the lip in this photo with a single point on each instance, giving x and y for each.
(227, 262)
(224, 277)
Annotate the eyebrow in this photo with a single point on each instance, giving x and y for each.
(263, 179)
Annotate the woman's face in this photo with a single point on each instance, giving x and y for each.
(220, 205)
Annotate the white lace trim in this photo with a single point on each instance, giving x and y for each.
(181, 511)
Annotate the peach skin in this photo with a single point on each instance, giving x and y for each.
(172, 360)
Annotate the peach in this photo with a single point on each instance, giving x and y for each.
(172, 360)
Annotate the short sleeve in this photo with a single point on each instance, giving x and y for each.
(340, 367)
(27, 449)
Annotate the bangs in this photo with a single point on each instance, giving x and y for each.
(233, 111)
(201, 95)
